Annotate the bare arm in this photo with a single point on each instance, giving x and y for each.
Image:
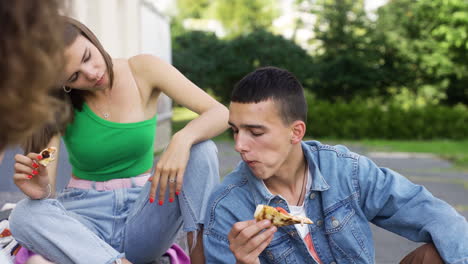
(160, 76)
(52, 168)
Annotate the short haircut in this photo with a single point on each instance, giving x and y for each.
(276, 84)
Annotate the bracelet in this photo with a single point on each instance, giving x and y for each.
(49, 192)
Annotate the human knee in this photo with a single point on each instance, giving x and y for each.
(20, 218)
(204, 155)
(24, 217)
(206, 149)
(425, 254)
(202, 171)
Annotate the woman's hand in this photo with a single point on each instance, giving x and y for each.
(30, 176)
(170, 170)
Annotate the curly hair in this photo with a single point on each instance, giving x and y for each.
(32, 57)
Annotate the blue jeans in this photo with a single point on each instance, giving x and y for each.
(90, 226)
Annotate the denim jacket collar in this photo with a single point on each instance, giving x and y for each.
(263, 196)
(318, 181)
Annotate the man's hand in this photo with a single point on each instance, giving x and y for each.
(246, 240)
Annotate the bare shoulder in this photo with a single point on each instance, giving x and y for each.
(147, 67)
(144, 62)
(142, 58)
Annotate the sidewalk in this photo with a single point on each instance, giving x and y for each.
(438, 176)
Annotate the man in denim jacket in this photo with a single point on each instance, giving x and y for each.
(339, 190)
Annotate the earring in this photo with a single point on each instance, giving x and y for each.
(66, 89)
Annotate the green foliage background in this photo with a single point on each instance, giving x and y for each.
(403, 75)
(369, 120)
(216, 65)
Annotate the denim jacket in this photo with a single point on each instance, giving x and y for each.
(348, 191)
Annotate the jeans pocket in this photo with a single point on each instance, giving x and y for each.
(73, 194)
(280, 249)
(346, 239)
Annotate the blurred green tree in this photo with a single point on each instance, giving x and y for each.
(200, 56)
(348, 60)
(238, 17)
(216, 65)
(430, 38)
(193, 8)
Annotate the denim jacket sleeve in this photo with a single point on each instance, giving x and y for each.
(392, 202)
(220, 217)
(219, 251)
(216, 248)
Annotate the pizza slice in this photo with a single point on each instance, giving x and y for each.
(278, 216)
(48, 155)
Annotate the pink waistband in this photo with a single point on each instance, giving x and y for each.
(110, 184)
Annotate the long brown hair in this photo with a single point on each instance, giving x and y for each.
(31, 50)
(75, 99)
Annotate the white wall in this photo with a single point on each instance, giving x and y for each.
(155, 38)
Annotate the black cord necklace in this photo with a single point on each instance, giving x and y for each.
(303, 181)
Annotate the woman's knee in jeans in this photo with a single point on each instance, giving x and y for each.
(20, 219)
(201, 176)
(28, 216)
(425, 254)
(205, 150)
(204, 161)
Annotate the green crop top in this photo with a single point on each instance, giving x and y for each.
(101, 150)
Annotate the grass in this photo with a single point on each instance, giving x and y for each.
(455, 151)
(182, 114)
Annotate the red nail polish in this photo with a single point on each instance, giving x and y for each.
(39, 157)
(176, 193)
(161, 202)
(150, 179)
(171, 200)
(35, 172)
(35, 166)
(151, 199)
(29, 176)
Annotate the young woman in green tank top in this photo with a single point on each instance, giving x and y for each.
(109, 138)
